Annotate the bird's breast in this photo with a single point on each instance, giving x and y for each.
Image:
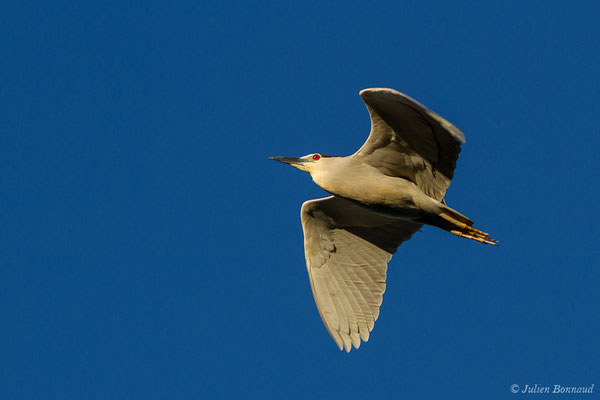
(389, 196)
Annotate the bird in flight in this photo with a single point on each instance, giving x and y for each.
(381, 195)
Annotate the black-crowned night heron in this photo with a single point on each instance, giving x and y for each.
(382, 195)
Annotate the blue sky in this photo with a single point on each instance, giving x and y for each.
(149, 249)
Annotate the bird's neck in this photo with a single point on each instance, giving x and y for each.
(338, 176)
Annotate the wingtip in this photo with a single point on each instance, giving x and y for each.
(347, 348)
(370, 91)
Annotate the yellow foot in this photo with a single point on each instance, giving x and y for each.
(480, 238)
(468, 232)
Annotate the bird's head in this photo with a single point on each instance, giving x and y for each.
(311, 163)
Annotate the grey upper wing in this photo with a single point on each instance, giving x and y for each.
(347, 249)
(408, 140)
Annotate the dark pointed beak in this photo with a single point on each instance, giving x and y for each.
(287, 160)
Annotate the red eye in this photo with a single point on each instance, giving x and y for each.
(316, 157)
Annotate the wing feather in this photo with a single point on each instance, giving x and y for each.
(410, 141)
(347, 249)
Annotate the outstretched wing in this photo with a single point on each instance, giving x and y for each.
(347, 249)
(407, 140)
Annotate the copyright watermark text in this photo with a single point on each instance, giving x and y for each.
(552, 389)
